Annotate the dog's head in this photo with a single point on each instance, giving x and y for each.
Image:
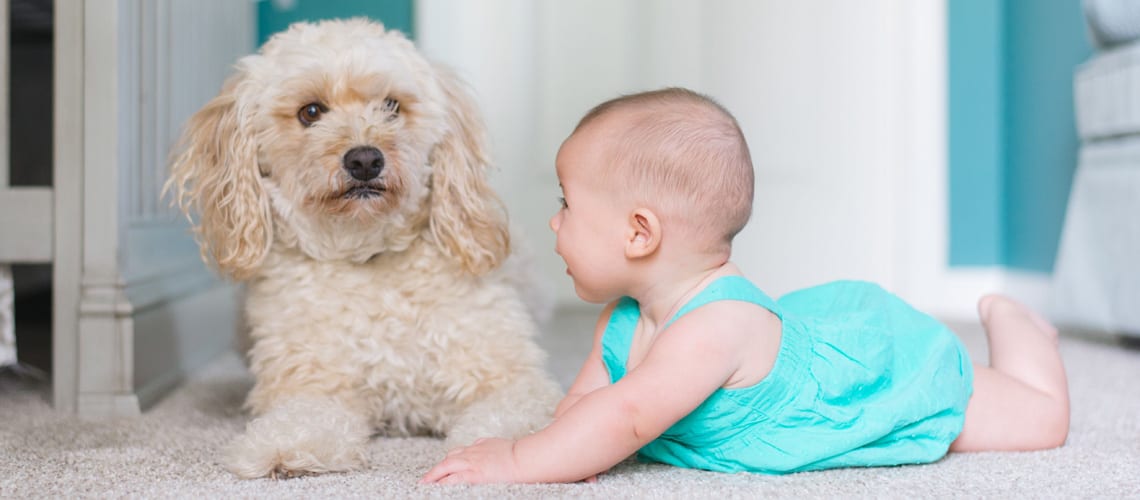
(338, 139)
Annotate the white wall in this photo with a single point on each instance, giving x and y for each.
(841, 103)
(814, 89)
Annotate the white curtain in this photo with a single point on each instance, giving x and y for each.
(7, 318)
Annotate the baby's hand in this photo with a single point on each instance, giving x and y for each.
(488, 460)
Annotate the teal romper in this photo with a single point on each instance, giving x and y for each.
(861, 379)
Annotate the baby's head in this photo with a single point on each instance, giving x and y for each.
(679, 153)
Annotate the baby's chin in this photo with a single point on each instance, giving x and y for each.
(592, 298)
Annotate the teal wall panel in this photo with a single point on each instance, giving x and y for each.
(395, 14)
(976, 145)
(1045, 41)
(1012, 139)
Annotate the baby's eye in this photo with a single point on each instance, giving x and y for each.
(562, 201)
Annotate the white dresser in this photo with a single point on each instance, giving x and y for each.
(1096, 280)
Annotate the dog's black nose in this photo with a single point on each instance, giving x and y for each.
(364, 163)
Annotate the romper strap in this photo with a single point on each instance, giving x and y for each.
(729, 288)
(618, 337)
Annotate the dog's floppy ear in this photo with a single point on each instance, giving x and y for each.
(214, 174)
(467, 218)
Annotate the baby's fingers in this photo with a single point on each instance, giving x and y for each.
(443, 469)
(458, 478)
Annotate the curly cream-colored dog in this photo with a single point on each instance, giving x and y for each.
(343, 178)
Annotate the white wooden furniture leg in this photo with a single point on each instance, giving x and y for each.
(7, 318)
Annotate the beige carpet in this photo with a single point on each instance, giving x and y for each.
(171, 450)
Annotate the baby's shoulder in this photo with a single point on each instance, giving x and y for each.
(749, 333)
(732, 320)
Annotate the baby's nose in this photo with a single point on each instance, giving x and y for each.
(554, 223)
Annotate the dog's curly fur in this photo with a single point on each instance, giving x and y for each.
(377, 305)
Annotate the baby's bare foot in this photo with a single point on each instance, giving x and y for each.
(995, 305)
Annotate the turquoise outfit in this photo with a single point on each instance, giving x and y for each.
(861, 379)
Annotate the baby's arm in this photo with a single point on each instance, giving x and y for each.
(593, 373)
(687, 363)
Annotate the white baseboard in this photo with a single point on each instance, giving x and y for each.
(1031, 288)
(960, 289)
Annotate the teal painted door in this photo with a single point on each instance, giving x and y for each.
(276, 16)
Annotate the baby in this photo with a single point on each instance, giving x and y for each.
(694, 366)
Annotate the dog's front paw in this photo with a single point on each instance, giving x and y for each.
(519, 408)
(297, 438)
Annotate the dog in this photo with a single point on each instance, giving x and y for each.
(342, 178)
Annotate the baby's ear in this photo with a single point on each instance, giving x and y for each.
(214, 175)
(468, 220)
(643, 234)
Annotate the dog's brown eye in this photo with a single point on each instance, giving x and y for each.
(310, 113)
(392, 106)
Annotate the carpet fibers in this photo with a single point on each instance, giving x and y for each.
(171, 451)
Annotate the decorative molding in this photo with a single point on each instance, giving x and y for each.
(106, 350)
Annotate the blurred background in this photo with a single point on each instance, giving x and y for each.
(943, 148)
(926, 145)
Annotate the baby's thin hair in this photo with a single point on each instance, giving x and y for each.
(683, 152)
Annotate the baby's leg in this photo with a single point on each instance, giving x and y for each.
(1020, 401)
